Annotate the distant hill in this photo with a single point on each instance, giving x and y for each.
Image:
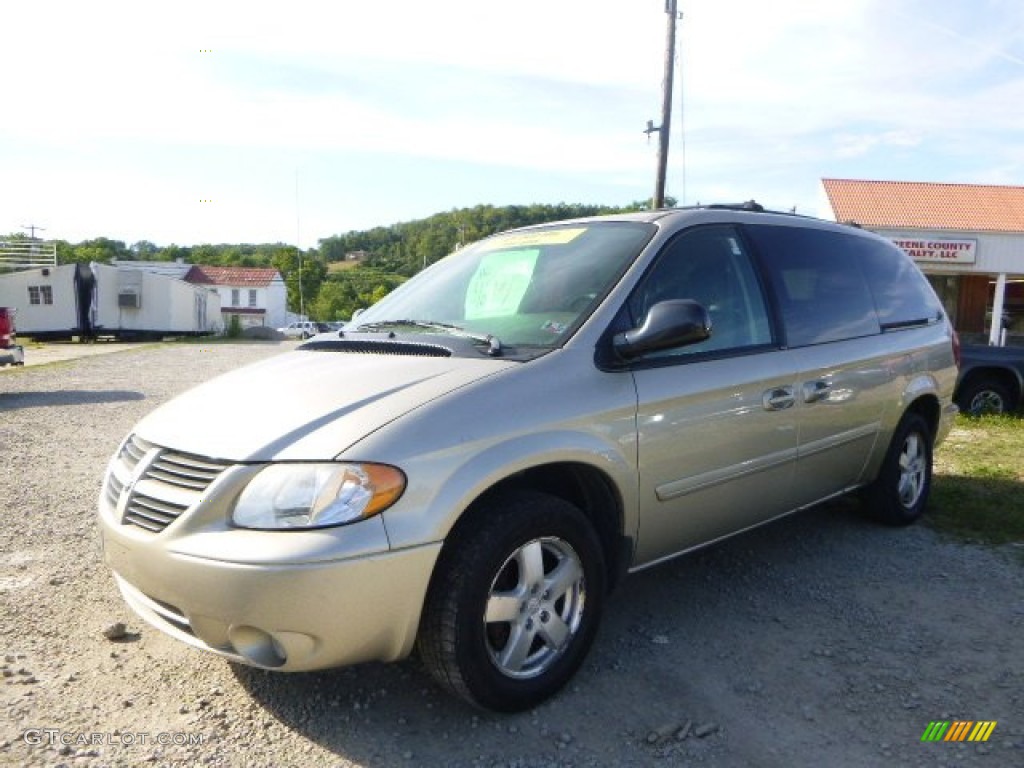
(405, 248)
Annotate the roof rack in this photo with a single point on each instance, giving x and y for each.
(749, 205)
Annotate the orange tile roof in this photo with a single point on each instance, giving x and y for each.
(921, 205)
(240, 276)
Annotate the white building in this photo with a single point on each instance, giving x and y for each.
(255, 295)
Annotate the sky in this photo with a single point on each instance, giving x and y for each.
(231, 122)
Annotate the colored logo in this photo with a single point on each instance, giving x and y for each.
(959, 730)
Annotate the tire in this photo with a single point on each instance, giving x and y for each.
(899, 494)
(515, 602)
(985, 396)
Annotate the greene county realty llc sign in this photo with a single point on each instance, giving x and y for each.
(941, 251)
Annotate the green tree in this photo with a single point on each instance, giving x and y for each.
(99, 249)
(143, 250)
(335, 301)
(309, 270)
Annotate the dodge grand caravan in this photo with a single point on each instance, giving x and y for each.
(477, 459)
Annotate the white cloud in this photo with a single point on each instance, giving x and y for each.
(122, 96)
(858, 144)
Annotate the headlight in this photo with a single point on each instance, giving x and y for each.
(316, 495)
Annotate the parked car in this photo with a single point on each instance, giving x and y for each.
(991, 380)
(477, 459)
(302, 329)
(11, 353)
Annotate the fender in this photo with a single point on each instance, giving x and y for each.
(429, 509)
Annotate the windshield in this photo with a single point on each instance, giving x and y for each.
(523, 289)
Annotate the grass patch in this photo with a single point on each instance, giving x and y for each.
(334, 267)
(978, 490)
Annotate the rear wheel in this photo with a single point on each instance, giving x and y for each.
(515, 602)
(983, 397)
(900, 493)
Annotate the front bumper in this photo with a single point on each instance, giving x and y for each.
(284, 600)
(12, 356)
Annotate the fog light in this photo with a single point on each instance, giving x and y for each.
(258, 647)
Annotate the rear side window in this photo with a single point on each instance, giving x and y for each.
(902, 295)
(819, 283)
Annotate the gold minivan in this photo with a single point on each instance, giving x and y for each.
(472, 463)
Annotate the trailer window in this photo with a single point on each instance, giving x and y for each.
(40, 294)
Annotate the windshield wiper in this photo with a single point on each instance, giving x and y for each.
(429, 324)
(493, 342)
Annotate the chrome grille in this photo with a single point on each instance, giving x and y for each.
(114, 488)
(185, 471)
(150, 513)
(133, 451)
(167, 485)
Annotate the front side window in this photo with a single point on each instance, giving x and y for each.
(819, 283)
(252, 298)
(710, 266)
(527, 289)
(234, 297)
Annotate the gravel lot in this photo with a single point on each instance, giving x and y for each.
(820, 640)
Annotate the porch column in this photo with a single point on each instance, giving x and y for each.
(995, 333)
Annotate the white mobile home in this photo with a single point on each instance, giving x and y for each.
(96, 300)
(47, 299)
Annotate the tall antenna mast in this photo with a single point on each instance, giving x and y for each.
(298, 247)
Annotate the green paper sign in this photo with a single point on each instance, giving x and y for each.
(500, 283)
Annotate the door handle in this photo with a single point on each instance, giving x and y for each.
(779, 399)
(814, 391)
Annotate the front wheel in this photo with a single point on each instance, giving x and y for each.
(900, 493)
(515, 602)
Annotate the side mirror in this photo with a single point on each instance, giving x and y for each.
(672, 323)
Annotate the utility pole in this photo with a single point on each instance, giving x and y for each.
(664, 130)
(32, 230)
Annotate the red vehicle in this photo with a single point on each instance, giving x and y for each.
(10, 352)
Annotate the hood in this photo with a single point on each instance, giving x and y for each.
(305, 405)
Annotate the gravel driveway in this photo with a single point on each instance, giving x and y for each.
(822, 640)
